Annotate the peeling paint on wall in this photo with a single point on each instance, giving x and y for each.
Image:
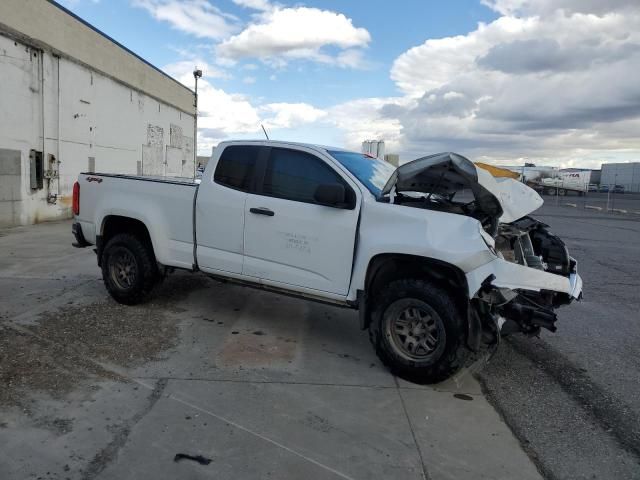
(155, 135)
(175, 136)
(152, 160)
(174, 162)
(10, 183)
(188, 168)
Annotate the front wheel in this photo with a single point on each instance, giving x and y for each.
(129, 269)
(418, 332)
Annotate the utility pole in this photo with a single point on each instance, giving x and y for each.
(197, 73)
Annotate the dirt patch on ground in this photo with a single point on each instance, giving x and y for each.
(31, 363)
(67, 346)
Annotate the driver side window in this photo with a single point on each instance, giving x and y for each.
(295, 175)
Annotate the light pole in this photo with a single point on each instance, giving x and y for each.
(197, 73)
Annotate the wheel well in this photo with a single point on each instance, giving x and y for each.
(115, 224)
(386, 268)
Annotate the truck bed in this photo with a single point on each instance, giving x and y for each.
(170, 226)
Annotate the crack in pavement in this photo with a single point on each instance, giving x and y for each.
(254, 433)
(314, 384)
(425, 473)
(105, 456)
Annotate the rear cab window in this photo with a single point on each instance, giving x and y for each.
(236, 167)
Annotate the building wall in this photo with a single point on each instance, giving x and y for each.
(81, 119)
(45, 24)
(626, 174)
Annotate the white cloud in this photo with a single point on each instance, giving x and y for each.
(544, 7)
(262, 5)
(352, 58)
(249, 80)
(195, 17)
(364, 119)
(553, 84)
(220, 114)
(281, 34)
(289, 115)
(182, 67)
(224, 115)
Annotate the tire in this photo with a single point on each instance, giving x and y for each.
(562, 192)
(440, 353)
(129, 269)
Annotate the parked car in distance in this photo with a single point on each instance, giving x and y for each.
(604, 188)
(618, 189)
(593, 187)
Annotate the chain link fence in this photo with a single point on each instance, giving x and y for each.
(610, 201)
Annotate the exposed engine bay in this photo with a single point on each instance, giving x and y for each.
(533, 273)
(529, 243)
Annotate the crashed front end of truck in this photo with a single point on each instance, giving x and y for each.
(531, 272)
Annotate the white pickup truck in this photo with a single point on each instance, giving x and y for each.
(439, 257)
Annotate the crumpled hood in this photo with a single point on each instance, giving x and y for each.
(516, 198)
(447, 173)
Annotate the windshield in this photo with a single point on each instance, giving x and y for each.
(373, 173)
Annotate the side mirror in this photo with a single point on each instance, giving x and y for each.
(331, 195)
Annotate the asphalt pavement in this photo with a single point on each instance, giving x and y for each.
(573, 397)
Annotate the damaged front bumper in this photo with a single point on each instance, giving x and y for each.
(510, 298)
(575, 281)
(512, 276)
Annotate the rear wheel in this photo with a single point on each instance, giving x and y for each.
(129, 269)
(562, 192)
(418, 332)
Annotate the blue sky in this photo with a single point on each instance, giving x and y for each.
(393, 31)
(503, 80)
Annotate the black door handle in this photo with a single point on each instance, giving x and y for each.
(262, 211)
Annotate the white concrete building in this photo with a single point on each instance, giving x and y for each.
(71, 100)
(374, 148)
(625, 174)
